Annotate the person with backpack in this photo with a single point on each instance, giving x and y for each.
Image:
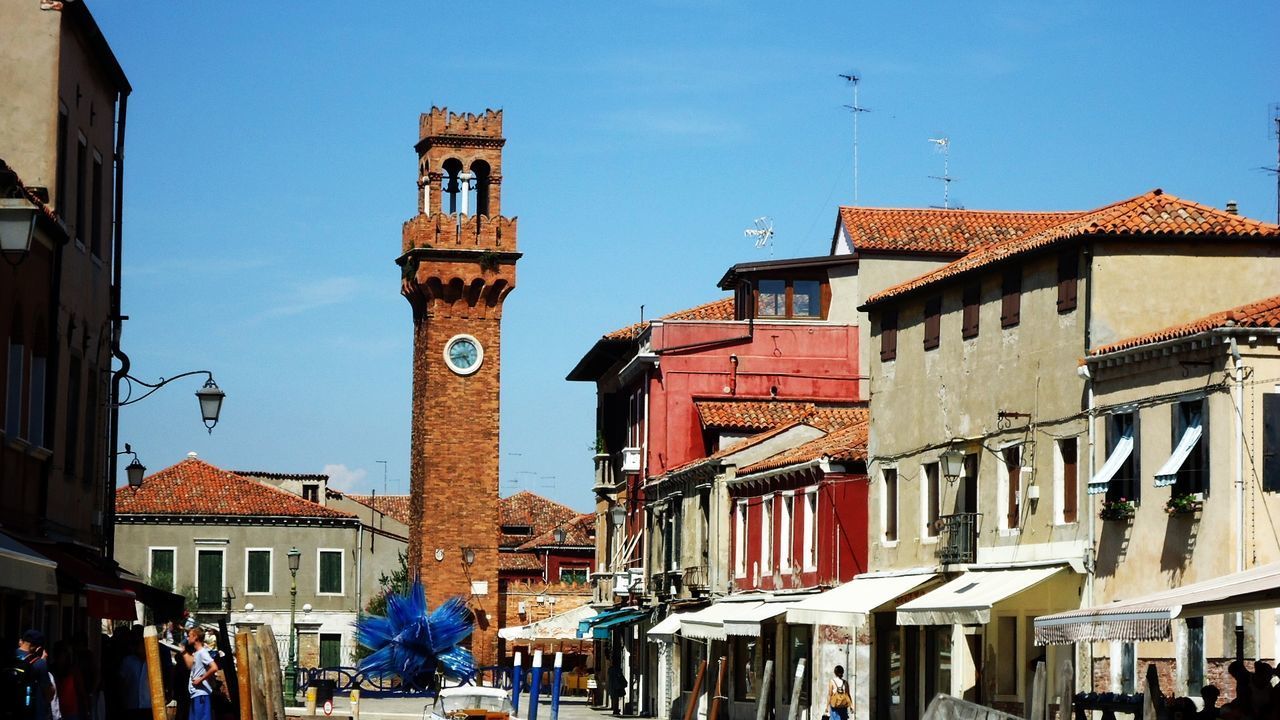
(35, 665)
(838, 699)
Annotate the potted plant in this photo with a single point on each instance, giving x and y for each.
(1122, 509)
(1184, 504)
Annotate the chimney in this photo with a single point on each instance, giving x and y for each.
(1232, 208)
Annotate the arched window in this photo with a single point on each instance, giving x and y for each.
(481, 171)
(451, 183)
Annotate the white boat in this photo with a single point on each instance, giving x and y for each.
(470, 702)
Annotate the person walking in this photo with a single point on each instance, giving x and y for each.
(617, 687)
(203, 667)
(838, 699)
(135, 687)
(32, 654)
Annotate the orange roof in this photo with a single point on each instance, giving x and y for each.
(942, 231)
(845, 444)
(539, 514)
(395, 507)
(519, 561)
(194, 487)
(578, 532)
(765, 414)
(1258, 314)
(1152, 214)
(721, 309)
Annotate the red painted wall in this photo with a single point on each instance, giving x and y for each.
(804, 361)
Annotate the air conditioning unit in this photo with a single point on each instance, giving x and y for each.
(631, 459)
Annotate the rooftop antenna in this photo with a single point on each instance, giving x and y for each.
(383, 463)
(944, 147)
(762, 232)
(1274, 117)
(855, 108)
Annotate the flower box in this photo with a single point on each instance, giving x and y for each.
(1121, 509)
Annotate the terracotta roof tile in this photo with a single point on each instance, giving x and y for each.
(395, 507)
(721, 309)
(194, 487)
(1152, 214)
(1258, 314)
(766, 414)
(511, 561)
(538, 513)
(942, 231)
(844, 444)
(579, 532)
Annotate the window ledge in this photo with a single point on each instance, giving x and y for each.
(1010, 532)
(926, 540)
(889, 543)
(1074, 523)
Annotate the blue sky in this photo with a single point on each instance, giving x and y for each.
(270, 166)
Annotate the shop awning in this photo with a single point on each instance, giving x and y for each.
(666, 630)
(967, 600)
(82, 570)
(600, 631)
(22, 568)
(708, 623)
(747, 623)
(584, 626)
(557, 627)
(1148, 617)
(1124, 447)
(164, 605)
(1168, 472)
(850, 604)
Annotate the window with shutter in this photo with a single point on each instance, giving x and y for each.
(1271, 442)
(1013, 486)
(932, 322)
(888, 335)
(1067, 451)
(1125, 484)
(209, 579)
(1010, 297)
(161, 569)
(330, 572)
(258, 573)
(1068, 273)
(330, 650)
(969, 321)
(890, 504)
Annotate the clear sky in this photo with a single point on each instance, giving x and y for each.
(270, 165)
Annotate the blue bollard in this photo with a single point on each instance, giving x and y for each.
(517, 674)
(537, 683)
(555, 687)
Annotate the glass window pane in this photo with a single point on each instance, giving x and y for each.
(331, 572)
(806, 298)
(773, 298)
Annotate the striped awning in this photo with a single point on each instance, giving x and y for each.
(1149, 617)
(708, 623)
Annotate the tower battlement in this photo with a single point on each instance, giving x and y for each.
(442, 122)
(466, 232)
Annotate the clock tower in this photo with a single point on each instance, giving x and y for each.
(458, 264)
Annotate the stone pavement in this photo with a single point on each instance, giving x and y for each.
(411, 708)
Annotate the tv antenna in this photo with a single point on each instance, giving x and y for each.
(1274, 117)
(762, 232)
(856, 109)
(944, 146)
(383, 463)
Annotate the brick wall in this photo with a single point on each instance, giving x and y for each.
(1215, 674)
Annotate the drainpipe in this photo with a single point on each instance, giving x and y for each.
(1092, 440)
(1238, 398)
(360, 563)
(117, 326)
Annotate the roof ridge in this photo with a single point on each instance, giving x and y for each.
(876, 208)
(1231, 317)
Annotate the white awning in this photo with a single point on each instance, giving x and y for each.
(557, 627)
(1124, 447)
(666, 630)
(708, 623)
(22, 568)
(1148, 617)
(967, 600)
(850, 604)
(1168, 472)
(747, 623)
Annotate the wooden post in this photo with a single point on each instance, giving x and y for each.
(155, 674)
(258, 680)
(692, 706)
(715, 700)
(355, 704)
(242, 675)
(227, 648)
(271, 669)
(793, 712)
(762, 696)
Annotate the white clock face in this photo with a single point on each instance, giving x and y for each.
(463, 354)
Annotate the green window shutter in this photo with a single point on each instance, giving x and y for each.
(330, 651)
(331, 572)
(162, 569)
(209, 578)
(259, 571)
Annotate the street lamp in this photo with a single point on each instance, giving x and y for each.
(210, 395)
(469, 555)
(291, 678)
(17, 225)
(559, 535)
(618, 515)
(952, 462)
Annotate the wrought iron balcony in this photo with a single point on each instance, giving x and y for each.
(695, 578)
(959, 543)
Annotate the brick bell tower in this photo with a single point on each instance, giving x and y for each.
(457, 267)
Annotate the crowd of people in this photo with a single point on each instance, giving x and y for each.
(65, 681)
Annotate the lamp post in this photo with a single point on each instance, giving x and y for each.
(291, 677)
(17, 217)
(952, 461)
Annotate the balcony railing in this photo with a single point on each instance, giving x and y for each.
(959, 543)
(695, 578)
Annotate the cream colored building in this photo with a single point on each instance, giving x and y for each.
(979, 360)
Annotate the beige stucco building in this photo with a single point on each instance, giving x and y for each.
(978, 360)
